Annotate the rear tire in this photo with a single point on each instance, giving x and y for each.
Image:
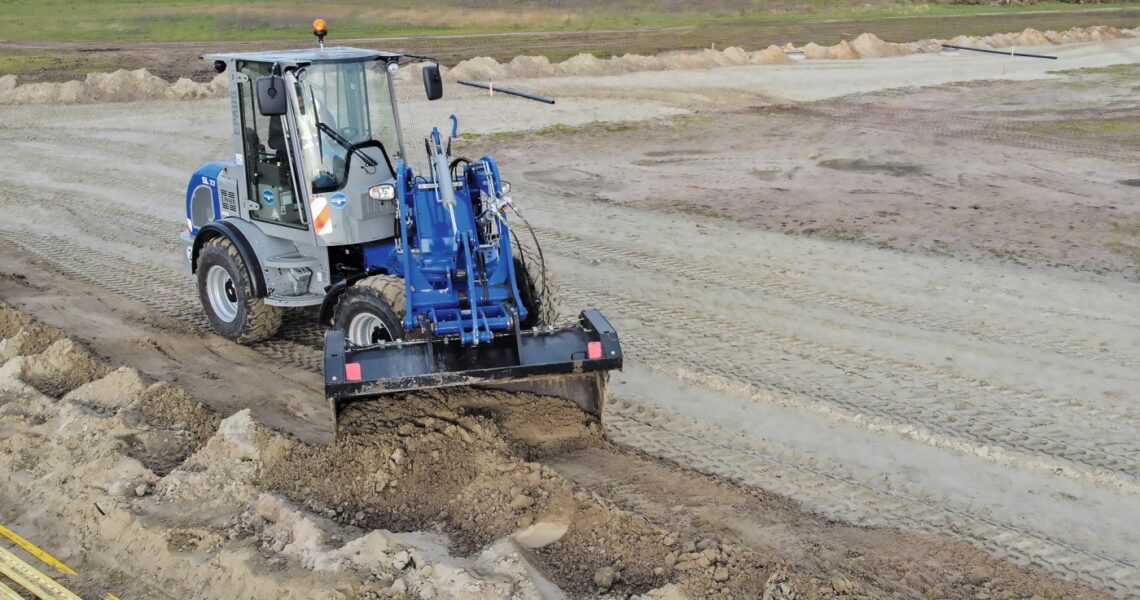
(371, 311)
(226, 293)
(537, 287)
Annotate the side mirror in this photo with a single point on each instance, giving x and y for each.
(433, 83)
(271, 96)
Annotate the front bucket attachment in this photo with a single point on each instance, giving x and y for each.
(571, 363)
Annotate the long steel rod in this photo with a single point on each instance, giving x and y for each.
(492, 88)
(1002, 52)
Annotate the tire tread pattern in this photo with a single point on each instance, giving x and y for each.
(262, 320)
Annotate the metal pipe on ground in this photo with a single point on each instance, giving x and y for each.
(1002, 52)
(492, 88)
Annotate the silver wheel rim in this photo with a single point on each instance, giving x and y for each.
(222, 293)
(366, 329)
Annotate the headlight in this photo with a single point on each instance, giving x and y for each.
(384, 191)
(506, 187)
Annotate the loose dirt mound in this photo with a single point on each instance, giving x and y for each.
(22, 336)
(157, 485)
(127, 86)
(453, 463)
(119, 86)
(867, 45)
(430, 495)
(527, 67)
(60, 368)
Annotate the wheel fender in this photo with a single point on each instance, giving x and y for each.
(331, 297)
(336, 290)
(228, 229)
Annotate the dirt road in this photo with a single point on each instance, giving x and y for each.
(936, 392)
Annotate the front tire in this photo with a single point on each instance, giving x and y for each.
(371, 311)
(226, 293)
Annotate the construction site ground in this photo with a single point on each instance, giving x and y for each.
(880, 322)
(41, 58)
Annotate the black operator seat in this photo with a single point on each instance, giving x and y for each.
(276, 139)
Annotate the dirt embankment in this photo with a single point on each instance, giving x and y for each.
(866, 45)
(140, 84)
(119, 86)
(431, 496)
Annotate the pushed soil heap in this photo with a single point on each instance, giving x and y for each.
(155, 487)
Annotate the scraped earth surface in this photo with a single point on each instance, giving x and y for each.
(146, 492)
(834, 385)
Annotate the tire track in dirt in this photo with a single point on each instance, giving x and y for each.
(159, 289)
(107, 180)
(790, 290)
(581, 247)
(954, 420)
(760, 315)
(99, 218)
(663, 436)
(752, 321)
(706, 449)
(979, 427)
(154, 229)
(127, 151)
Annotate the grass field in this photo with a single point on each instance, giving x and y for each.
(206, 20)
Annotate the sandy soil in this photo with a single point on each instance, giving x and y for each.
(1041, 172)
(820, 416)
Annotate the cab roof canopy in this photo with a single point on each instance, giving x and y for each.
(307, 56)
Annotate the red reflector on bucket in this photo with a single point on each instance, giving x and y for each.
(594, 350)
(352, 372)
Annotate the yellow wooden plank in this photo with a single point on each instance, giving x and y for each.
(27, 577)
(7, 593)
(32, 549)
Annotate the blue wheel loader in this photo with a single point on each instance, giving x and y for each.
(422, 279)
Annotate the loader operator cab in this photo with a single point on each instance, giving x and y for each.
(306, 120)
(341, 108)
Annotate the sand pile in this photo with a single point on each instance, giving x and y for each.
(867, 45)
(528, 67)
(157, 485)
(20, 335)
(126, 86)
(119, 86)
(457, 462)
(432, 496)
(841, 51)
(1032, 37)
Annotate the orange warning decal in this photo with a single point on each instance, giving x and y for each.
(322, 216)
